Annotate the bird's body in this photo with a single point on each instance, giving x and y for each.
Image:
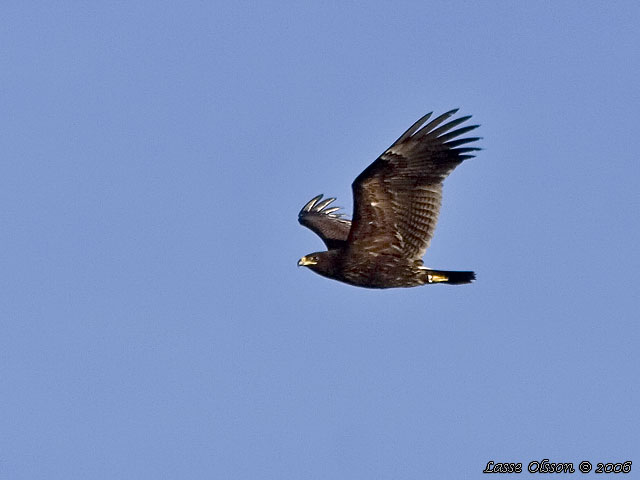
(396, 205)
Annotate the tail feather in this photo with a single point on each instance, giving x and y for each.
(450, 278)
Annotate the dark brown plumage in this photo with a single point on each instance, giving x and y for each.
(396, 204)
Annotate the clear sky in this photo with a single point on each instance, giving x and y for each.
(154, 157)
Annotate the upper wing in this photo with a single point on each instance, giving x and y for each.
(330, 226)
(397, 198)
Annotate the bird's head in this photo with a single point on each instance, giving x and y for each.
(320, 262)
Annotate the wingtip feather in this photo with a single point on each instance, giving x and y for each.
(320, 205)
(310, 204)
(413, 128)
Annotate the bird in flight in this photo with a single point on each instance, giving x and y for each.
(396, 201)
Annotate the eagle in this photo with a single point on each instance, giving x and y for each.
(396, 202)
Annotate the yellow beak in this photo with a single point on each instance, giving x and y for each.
(304, 261)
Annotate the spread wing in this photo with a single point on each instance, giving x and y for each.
(397, 198)
(325, 222)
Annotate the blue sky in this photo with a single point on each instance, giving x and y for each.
(155, 156)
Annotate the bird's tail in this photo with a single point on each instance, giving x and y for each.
(450, 278)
